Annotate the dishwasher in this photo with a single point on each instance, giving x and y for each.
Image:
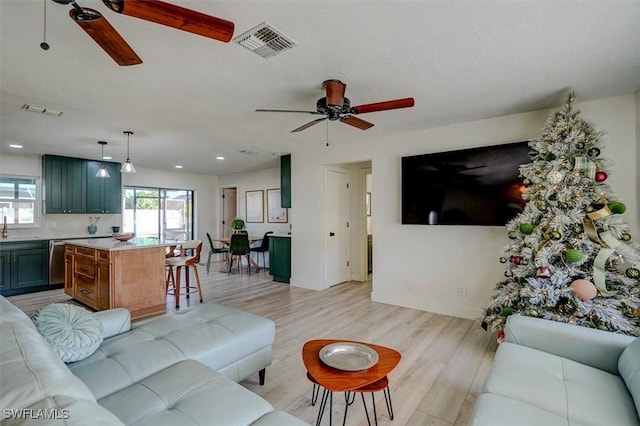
(56, 262)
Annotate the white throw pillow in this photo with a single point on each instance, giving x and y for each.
(74, 332)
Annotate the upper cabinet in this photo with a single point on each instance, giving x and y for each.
(65, 184)
(70, 186)
(285, 181)
(104, 195)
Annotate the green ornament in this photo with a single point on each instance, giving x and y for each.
(632, 273)
(573, 255)
(549, 156)
(617, 207)
(506, 311)
(526, 228)
(555, 235)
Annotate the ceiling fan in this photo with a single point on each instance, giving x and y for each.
(335, 106)
(159, 12)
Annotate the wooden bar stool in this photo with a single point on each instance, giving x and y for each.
(187, 261)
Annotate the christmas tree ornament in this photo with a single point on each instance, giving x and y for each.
(500, 336)
(617, 207)
(593, 152)
(573, 255)
(584, 166)
(633, 273)
(601, 176)
(506, 311)
(555, 177)
(580, 145)
(543, 272)
(516, 260)
(503, 260)
(584, 289)
(625, 236)
(526, 228)
(549, 156)
(555, 235)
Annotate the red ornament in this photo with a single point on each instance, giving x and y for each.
(516, 260)
(500, 336)
(544, 272)
(601, 176)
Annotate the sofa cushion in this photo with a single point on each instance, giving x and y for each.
(498, 410)
(74, 332)
(579, 393)
(629, 367)
(187, 392)
(216, 335)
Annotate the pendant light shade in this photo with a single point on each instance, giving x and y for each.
(128, 167)
(102, 171)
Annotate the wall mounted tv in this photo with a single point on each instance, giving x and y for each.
(477, 186)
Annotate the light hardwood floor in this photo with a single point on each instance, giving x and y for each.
(445, 360)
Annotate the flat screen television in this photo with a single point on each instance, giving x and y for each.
(477, 186)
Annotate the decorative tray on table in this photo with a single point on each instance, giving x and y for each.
(349, 356)
(125, 236)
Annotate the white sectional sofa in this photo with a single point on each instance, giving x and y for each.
(173, 370)
(556, 374)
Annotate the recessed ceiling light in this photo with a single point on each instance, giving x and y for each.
(219, 157)
(13, 145)
(178, 166)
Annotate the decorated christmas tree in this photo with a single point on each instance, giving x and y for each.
(570, 256)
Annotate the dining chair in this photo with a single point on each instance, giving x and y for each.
(238, 247)
(214, 250)
(188, 259)
(262, 248)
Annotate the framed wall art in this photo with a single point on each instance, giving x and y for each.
(254, 206)
(275, 213)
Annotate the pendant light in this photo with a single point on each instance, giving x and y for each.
(102, 171)
(127, 167)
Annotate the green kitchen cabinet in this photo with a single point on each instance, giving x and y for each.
(285, 181)
(64, 184)
(24, 267)
(280, 258)
(104, 195)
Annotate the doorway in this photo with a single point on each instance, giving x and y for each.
(229, 210)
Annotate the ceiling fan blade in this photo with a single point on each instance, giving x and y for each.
(175, 17)
(101, 31)
(335, 92)
(356, 122)
(309, 124)
(287, 110)
(383, 106)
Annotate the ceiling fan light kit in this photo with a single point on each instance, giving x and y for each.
(128, 167)
(336, 107)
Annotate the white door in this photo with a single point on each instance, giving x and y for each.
(229, 210)
(337, 230)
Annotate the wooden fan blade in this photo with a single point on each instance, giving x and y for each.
(335, 92)
(356, 122)
(101, 31)
(287, 110)
(309, 124)
(383, 106)
(175, 17)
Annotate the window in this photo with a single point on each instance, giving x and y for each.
(158, 213)
(18, 200)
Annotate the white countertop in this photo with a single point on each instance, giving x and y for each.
(112, 244)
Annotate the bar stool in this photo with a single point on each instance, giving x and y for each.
(186, 261)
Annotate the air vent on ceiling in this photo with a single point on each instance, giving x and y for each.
(41, 110)
(265, 40)
(248, 152)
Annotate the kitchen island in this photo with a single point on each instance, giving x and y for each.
(106, 273)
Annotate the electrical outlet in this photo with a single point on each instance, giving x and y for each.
(461, 291)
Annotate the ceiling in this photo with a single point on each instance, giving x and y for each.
(194, 98)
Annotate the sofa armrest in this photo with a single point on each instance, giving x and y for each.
(596, 348)
(114, 321)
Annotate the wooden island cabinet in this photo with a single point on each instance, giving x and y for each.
(105, 274)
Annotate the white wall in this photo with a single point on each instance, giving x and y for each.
(254, 181)
(419, 266)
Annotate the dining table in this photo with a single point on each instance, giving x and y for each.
(227, 240)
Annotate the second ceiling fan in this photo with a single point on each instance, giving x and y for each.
(159, 12)
(335, 106)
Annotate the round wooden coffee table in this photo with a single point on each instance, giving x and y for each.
(335, 380)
